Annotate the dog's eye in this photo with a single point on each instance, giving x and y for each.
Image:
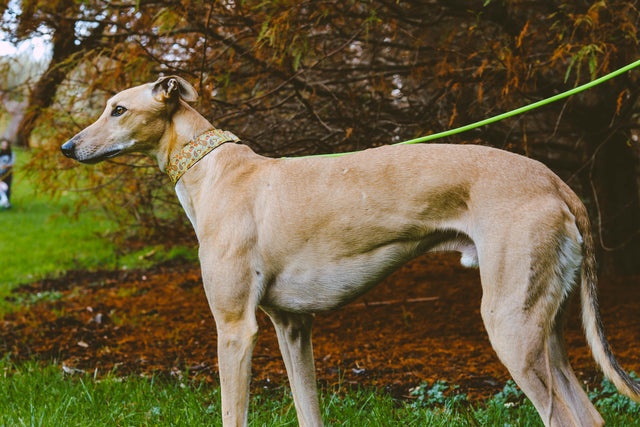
(118, 111)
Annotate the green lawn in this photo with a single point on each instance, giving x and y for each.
(35, 395)
(37, 239)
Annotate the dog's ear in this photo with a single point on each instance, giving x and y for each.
(171, 88)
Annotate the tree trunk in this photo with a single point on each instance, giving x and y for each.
(617, 205)
(40, 98)
(43, 92)
(16, 111)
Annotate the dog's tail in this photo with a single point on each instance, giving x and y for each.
(591, 319)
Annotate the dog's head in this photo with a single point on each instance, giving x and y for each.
(134, 120)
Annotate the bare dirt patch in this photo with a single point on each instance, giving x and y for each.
(422, 324)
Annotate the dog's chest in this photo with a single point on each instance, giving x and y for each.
(186, 202)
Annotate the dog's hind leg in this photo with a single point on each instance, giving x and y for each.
(294, 336)
(538, 363)
(527, 276)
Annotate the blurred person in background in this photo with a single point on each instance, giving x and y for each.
(7, 160)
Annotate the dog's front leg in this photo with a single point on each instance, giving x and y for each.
(231, 295)
(236, 340)
(294, 338)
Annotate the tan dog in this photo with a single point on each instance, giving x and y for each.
(303, 235)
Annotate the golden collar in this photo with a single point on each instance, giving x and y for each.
(195, 150)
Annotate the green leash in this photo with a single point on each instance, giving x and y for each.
(507, 114)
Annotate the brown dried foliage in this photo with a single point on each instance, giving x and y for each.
(422, 324)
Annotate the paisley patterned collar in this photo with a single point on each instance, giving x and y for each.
(195, 150)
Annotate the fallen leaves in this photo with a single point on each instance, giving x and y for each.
(421, 324)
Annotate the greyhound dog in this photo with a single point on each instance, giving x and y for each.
(297, 236)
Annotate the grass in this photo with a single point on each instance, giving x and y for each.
(36, 395)
(37, 238)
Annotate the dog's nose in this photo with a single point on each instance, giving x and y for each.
(69, 149)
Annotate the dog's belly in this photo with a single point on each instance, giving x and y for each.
(315, 284)
(328, 284)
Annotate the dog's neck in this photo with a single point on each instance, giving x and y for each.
(187, 139)
(195, 150)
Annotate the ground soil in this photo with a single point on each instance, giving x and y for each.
(421, 324)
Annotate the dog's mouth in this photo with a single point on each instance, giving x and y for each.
(115, 152)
